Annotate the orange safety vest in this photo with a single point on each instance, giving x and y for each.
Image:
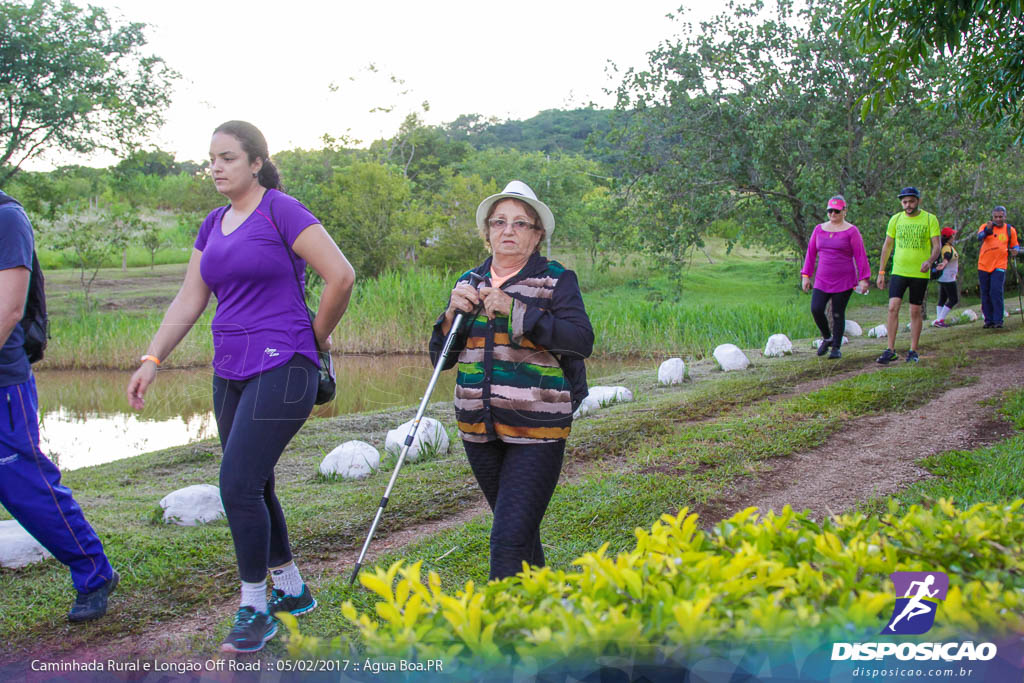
(992, 255)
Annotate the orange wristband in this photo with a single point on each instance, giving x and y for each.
(150, 357)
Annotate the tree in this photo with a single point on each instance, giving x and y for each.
(74, 81)
(754, 116)
(92, 238)
(365, 208)
(980, 42)
(421, 151)
(452, 239)
(560, 180)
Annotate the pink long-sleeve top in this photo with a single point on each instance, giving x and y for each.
(842, 261)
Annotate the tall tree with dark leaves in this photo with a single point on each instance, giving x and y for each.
(75, 81)
(754, 115)
(981, 43)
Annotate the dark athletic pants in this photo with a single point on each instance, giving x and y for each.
(518, 481)
(991, 286)
(31, 491)
(256, 418)
(948, 295)
(819, 299)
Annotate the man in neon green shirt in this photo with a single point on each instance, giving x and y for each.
(915, 235)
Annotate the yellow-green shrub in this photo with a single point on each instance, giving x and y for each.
(751, 578)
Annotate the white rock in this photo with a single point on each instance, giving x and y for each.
(853, 329)
(192, 505)
(817, 342)
(778, 345)
(351, 460)
(969, 314)
(672, 371)
(600, 397)
(17, 547)
(730, 357)
(879, 331)
(431, 434)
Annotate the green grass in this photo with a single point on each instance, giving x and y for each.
(638, 461)
(634, 312)
(629, 464)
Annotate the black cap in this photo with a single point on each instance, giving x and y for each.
(909, 192)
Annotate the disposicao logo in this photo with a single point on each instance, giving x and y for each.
(917, 599)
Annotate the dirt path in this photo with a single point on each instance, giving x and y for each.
(873, 456)
(876, 455)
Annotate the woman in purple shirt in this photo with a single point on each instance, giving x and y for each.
(263, 341)
(842, 267)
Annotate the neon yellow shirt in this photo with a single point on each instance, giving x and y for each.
(912, 237)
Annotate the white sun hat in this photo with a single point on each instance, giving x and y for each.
(517, 189)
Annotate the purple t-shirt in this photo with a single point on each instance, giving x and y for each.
(261, 319)
(842, 261)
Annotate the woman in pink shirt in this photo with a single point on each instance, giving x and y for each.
(842, 266)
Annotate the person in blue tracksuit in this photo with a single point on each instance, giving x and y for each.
(30, 487)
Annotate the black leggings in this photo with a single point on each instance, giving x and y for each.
(518, 481)
(839, 300)
(256, 418)
(948, 295)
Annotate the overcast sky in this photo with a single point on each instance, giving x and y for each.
(274, 63)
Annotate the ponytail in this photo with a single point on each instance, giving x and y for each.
(255, 147)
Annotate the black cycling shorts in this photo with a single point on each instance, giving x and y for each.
(898, 284)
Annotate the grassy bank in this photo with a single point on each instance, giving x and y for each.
(635, 311)
(628, 465)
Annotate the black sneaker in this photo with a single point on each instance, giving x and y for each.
(251, 631)
(823, 346)
(986, 326)
(912, 357)
(887, 357)
(835, 353)
(296, 604)
(997, 326)
(89, 606)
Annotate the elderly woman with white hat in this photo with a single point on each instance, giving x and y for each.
(521, 373)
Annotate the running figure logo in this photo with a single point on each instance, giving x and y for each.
(918, 596)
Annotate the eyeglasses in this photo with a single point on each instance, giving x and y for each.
(834, 211)
(500, 224)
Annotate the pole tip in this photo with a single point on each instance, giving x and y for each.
(355, 573)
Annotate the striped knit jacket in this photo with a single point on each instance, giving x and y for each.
(521, 377)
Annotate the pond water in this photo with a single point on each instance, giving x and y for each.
(85, 418)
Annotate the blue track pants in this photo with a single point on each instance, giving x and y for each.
(31, 491)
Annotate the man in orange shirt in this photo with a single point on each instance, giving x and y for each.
(998, 239)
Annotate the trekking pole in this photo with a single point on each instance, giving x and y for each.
(457, 323)
(1020, 298)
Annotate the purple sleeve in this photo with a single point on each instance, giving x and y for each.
(812, 253)
(860, 256)
(291, 216)
(205, 227)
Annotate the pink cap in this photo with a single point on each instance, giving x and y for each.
(836, 203)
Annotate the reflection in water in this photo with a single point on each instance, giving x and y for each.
(77, 440)
(86, 420)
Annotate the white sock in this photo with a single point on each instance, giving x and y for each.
(938, 312)
(943, 312)
(287, 579)
(254, 595)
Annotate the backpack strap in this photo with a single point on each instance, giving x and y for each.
(291, 255)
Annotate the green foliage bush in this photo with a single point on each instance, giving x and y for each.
(751, 577)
